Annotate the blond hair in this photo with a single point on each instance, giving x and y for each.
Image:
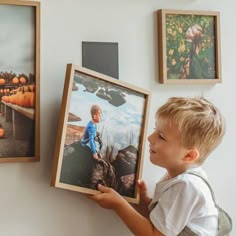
(199, 122)
(95, 109)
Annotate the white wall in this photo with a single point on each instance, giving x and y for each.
(28, 205)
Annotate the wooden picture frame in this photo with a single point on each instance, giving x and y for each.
(19, 81)
(122, 132)
(189, 47)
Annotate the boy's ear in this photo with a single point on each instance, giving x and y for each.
(191, 155)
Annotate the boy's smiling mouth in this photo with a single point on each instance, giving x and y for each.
(151, 151)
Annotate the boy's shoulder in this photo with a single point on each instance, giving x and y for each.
(186, 195)
(184, 186)
(190, 180)
(184, 183)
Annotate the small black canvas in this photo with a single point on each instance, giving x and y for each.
(101, 57)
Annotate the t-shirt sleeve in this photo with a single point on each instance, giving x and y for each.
(176, 207)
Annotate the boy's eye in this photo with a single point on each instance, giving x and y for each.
(159, 134)
(161, 137)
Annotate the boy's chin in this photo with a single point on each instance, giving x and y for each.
(153, 159)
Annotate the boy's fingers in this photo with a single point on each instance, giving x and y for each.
(92, 197)
(103, 189)
(142, 186)
(97, 196)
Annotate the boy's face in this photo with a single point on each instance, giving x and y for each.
(166, 149)
(97, 117)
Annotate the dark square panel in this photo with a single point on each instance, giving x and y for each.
(101, 57)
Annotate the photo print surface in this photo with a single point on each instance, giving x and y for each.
(19, 81)
(103, 137)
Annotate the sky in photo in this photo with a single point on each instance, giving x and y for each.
(119, 125)
(17, 39)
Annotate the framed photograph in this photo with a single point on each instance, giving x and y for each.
(189, 47)
(101, 134)
(19, 81)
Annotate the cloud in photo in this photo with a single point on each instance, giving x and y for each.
(17, 39)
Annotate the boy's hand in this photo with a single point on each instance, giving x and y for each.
(137, 223)
(144, 198)
(108, 198)
(95, 156)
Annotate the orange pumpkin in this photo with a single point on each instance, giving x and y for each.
(13, 99)
(15, 80)
(32, 87)
(6, 99)
(25, 88)
(26, 99)
(2, 132)
(32, 99)
(2, 81)
(20, 98)
(22, 80)
(3, 98)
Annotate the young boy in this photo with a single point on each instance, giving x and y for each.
(187, 131)
(91, 130)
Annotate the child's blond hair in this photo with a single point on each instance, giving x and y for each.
(200, 123)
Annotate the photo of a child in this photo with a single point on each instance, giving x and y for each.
(90, 132)
(103, 139)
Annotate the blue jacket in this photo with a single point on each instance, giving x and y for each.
(89, 135)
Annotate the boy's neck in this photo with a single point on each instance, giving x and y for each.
(94, 122)
(175, 172)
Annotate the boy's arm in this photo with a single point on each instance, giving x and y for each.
(138, 224)
(91, 134)
(145, 200)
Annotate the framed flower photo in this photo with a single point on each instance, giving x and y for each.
(189, 47)
(19, 81)
(101, 134)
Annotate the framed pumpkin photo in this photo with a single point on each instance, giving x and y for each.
(101, 134)
(189, 47)
(19, 81)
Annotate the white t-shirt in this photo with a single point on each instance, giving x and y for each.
(182, 201)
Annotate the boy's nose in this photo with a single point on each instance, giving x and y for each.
(149, 138)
